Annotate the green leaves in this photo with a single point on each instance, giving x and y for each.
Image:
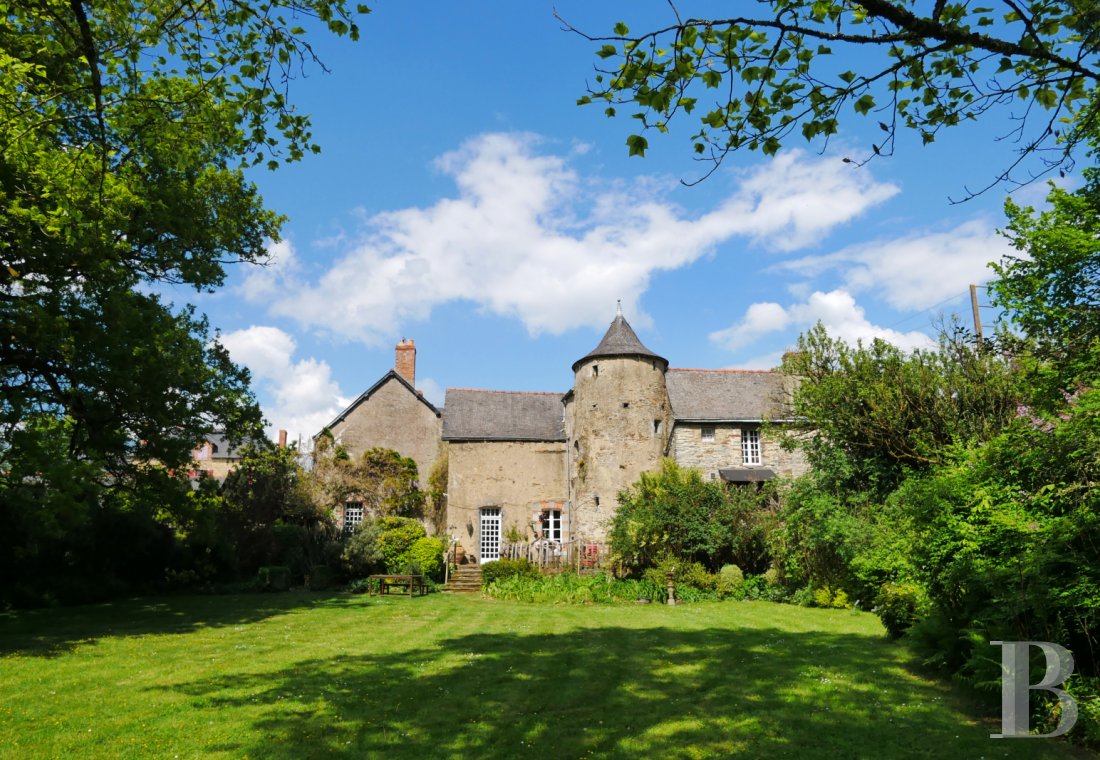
(933, 72)
(637, 145)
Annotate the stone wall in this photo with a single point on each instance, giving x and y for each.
(689, 449)
(393, 418)
(512, 475)
(618, 428)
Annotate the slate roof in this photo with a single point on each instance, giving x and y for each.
(477, 415)
(391, 375)
(717, 395)
(222, 449)
(619, 340)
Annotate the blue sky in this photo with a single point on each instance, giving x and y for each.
(462, 199)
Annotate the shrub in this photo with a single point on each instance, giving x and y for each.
(273, 578)
(830, 597)
(897, 606)
(684, 575)
(570, 588)
(507, 568)
(321, 577)
(427, 554)
(362, 555)
(397, 539)
(730, 580)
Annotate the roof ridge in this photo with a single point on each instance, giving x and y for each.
(492, 390)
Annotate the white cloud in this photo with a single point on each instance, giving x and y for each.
(269, 280)
(528, 237)
(837, 310)
(913, 272)
(305, 397)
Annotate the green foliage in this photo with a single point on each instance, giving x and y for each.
(675, 513)
(897, 606)
(362, 553)
(269, 516)
(397, 539)
(507, 568)
(768, 77)
(124, 130)
(427, 554)
(570, 588)
(730, 580)
(1051, 291)
(879, 412)
(273, 578)
(386, 483)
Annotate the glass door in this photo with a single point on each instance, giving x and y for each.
(490, 534)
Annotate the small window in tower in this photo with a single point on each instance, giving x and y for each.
(597, 498)
(626, 405)
(656, 427)
(707, 434)
(595, 370)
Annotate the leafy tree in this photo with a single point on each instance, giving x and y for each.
(269, 514)
(878, 412)
(1051, 291)
(754, 80)
(674, 512)
(124, 128)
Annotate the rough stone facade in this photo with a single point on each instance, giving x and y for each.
(391, 415)
(620, 421)
(691, 448)
(515, 476)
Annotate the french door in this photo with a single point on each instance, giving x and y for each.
(490, 534)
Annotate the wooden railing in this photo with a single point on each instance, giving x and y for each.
(558, 555)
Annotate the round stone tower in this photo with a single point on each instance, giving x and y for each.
(617, 426)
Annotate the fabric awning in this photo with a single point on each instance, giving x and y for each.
(744, 475)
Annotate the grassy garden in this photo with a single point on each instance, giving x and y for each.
(302, 674)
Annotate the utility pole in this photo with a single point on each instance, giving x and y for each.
(977, 316)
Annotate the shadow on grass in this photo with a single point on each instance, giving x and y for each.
(600, 692)
(52, 632)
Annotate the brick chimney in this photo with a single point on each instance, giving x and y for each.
(282, 439)
(405, 362)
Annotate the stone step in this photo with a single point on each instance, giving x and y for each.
(465, 579)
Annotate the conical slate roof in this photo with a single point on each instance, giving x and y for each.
(619, 340)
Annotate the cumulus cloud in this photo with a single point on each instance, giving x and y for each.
(526, 236)
(305, 397)
(837, 310)
(913, 272)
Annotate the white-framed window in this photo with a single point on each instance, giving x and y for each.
(707, 434)
(353, 515)
(551, 525)
(750, 446)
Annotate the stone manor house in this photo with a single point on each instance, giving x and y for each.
(551, 465)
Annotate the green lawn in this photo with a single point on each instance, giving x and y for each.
(310, 675)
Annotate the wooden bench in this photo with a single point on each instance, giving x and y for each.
(414, 585)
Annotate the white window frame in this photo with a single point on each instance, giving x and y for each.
(490, 520)
(706, 434)
(750, 446)
(354, 514)
(551, 525)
